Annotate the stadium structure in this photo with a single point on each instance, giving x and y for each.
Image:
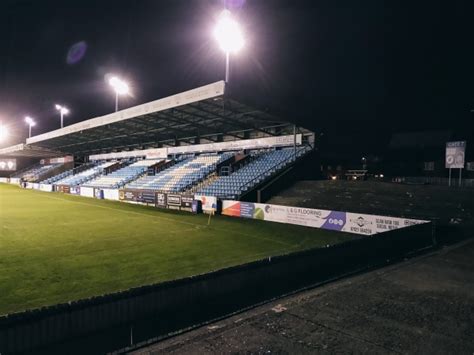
(74, 266)
(197, 142)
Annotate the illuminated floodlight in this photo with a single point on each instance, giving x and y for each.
(228, 33)
(120, 87)
(62, 111)
(229, 36)
(31, 123)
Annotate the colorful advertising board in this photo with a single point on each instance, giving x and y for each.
(63, 188)
(208, 203)
(334, 220)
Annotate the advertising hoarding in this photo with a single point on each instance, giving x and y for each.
(209, 203)
(7, 164)
(333, 220)
(141, 196)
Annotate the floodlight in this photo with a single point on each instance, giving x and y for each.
(31, 123)
(63, 111)
(120, 87)
(228, 33)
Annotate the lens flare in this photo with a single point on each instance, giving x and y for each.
(76, 52)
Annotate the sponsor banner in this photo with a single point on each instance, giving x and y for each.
(141, 196)
(46, 187)
(173, 200)
(187, 201)
(4, 180)
(36, 186)
(111, 194)
(63, 188)
(62, 160)
(29, 185)
(87, 191)
(157, 153)
(455, 154)
(209, 203)
(7, 164)
(333, 220)
(161, 200)
(266, 142)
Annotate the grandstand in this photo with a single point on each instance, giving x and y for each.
(84, 176)
(262, 166)
(200, 141)
(182, 175)
(122, 176)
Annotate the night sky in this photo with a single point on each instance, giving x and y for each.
(355, 70)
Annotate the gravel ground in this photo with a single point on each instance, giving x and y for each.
(422, 305)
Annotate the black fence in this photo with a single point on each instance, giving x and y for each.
(253, 282)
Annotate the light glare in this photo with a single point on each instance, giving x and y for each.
(64, 110)
(228, 34)
(30, 121)
(120, 86)
(3, 132)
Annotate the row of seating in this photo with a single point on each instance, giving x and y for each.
(85, 175)
(263, 165)
(35, 172)
(182, 175)
(122, 176)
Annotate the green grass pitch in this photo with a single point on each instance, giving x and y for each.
(55, 248)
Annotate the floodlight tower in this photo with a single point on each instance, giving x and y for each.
(120, 87)
(31, 123)
(62, 111)
(229, 37)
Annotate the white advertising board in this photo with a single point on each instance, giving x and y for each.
(7, 164)
(4, 180)
(334, 220)
(15, 181)
(87, 191)
(162, 153)
(46, 187)
(111, 194)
